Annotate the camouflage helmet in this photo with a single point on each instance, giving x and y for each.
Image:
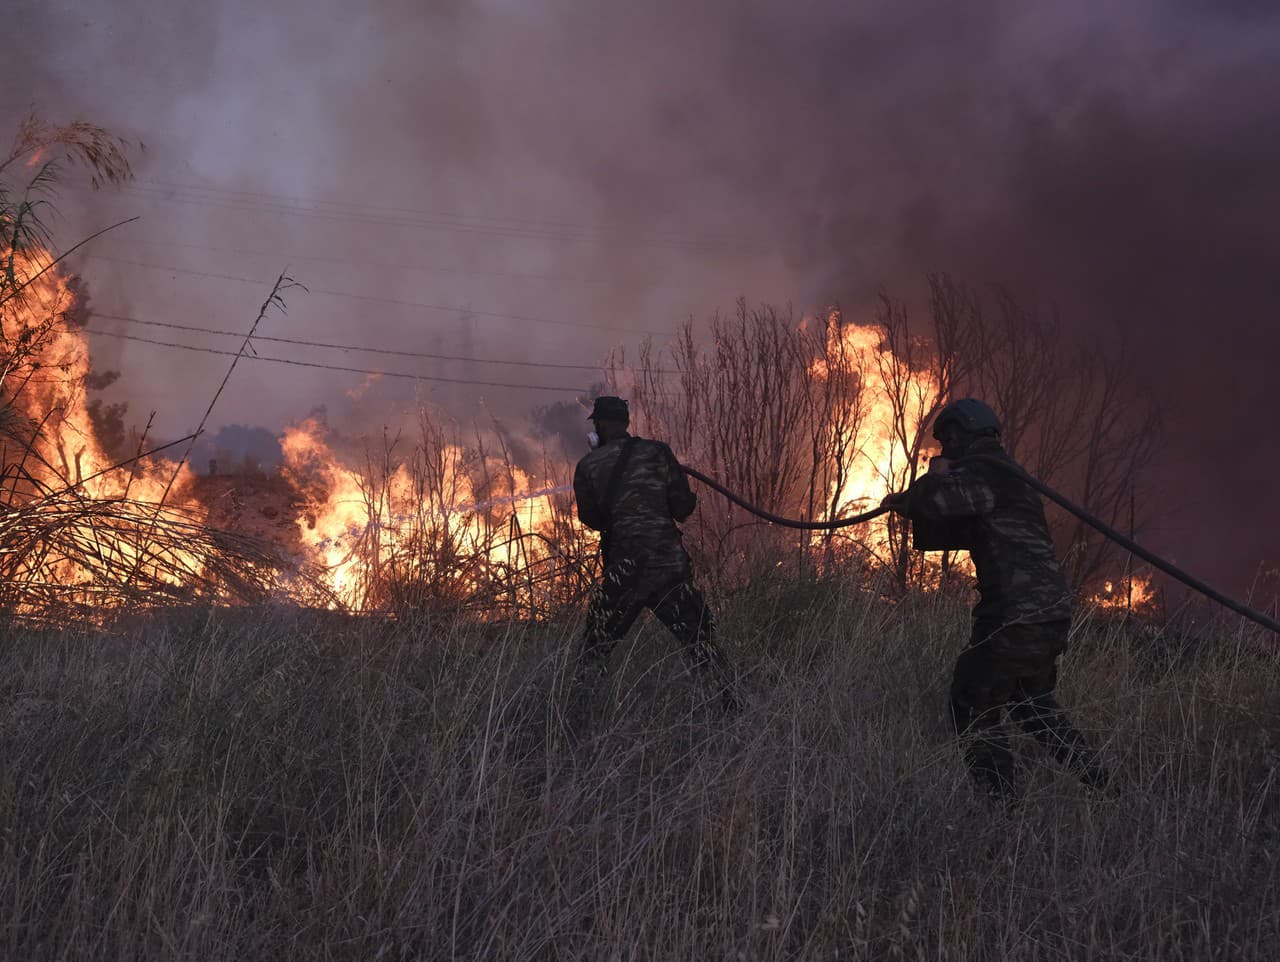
(970, 415)
(609, 408)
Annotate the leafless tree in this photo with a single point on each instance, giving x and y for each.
(785, 411)
(1072, 415)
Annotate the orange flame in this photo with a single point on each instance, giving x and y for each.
(1133, 593)
(53, 448)
(445, 522)
(422, 521)
(890, 402)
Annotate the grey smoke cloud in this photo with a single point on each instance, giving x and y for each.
(1115, 158)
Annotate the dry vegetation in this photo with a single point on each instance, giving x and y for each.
(272, 782)
(278, 784)
(436, 520)
(80, 533)
(807, 417)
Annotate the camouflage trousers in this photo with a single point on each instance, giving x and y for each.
(624, 590)
(1013, 669)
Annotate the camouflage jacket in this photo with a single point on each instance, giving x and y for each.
(1000, 520)
(653, 495)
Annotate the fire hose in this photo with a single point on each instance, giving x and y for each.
(779, 520)
(1128, 544)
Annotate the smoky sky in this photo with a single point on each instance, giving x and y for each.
(617, 167)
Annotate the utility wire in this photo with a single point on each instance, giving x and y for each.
(304, 202)
(449, 308)
(44, 269)
(217, 203)
(389, 352)
(333, 367)
(275, 299)
(356, 262)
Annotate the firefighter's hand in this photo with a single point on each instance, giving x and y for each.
(896, 502)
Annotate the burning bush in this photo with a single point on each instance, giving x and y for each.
(822, 417)
(443, 526)
(817, 418)
(79, 533)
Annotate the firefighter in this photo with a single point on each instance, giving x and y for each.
(1023, 614)
(633, 491)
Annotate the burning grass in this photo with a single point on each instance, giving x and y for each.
(436, 522)
(274, 783)
(81, 534)
(816, 418)
(68, 557)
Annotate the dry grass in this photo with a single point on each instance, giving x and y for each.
(447, 529)
(66, 557)
(280, 784)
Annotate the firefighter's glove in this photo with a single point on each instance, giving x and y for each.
(896, 502)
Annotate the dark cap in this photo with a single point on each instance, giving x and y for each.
(610, 409)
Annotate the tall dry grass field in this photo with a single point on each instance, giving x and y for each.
(273, 784)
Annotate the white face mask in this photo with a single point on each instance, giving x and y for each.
(593, 439)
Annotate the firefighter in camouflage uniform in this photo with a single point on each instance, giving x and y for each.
(633, 491)
(1023, 614)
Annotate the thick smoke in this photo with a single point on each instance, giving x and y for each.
(1116, 159)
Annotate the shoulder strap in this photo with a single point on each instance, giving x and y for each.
(615, 479)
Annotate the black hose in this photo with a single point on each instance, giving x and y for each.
(779, 520)
(1127, 543)
(1132, 546)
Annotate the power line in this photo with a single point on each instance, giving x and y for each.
(425, 224)
(335, 367)
(452, 216)
(374, 298)
(354, 216)
(348, 347)
(352, 261)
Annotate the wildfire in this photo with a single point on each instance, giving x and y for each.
(442, 524)
(887, 408)
(439, 524)
(1134, 593)
(57, 474)
(43, 376)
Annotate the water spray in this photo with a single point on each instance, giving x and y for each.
(510, 499)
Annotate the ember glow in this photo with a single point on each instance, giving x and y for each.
(1133, 593)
